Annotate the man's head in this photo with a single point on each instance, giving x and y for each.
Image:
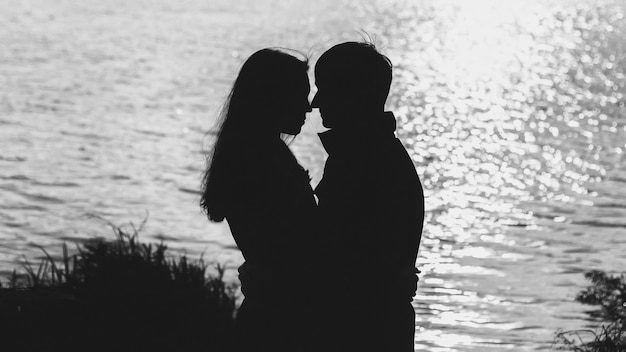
(353, 81)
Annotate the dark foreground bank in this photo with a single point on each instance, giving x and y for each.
(118, 295)
(122, 295)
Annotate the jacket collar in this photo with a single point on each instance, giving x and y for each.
(334, 141)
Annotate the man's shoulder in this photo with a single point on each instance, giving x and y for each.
(392, 165)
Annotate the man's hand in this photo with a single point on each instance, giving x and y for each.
(413, 282)
(255, 279)
(406, 282)
(244, 276)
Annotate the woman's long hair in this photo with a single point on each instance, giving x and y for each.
(248, 115)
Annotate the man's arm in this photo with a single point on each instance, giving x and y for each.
(399, 209)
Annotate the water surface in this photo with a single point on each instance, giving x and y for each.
(513, 111)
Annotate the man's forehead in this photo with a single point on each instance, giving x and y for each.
(326, 74)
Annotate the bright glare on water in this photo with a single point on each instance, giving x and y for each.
(513, 111)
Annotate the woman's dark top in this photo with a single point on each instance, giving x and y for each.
(272, 208)
(271, 215)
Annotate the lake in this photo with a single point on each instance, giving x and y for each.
(513, 111)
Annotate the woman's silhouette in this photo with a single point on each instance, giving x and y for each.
(256, 184)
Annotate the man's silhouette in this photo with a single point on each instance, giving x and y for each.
(371, 206)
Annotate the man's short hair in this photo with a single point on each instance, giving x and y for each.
(358, 68)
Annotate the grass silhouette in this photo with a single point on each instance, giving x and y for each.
(117, 295)
(608, 293)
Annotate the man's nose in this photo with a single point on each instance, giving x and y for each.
(315, 103)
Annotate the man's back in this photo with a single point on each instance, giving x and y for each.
(372, 206)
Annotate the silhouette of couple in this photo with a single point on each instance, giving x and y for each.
(337, 274)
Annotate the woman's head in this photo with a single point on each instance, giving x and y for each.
(269, 98)
(270, 94)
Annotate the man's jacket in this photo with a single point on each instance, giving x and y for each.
(371, 207)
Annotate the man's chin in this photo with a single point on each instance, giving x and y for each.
(329, 120)
(327, 124)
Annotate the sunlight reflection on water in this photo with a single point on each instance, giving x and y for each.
(490, 120)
